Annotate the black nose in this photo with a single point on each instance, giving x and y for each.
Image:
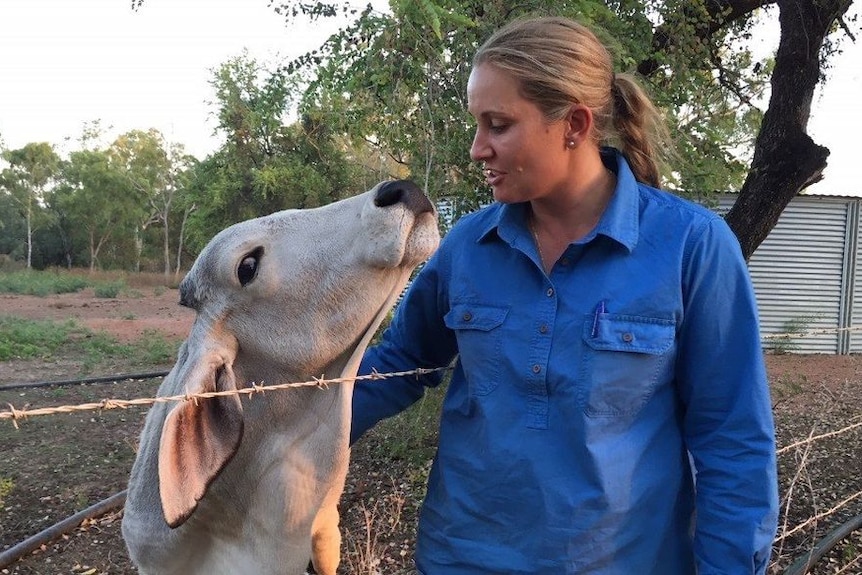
(405, 192)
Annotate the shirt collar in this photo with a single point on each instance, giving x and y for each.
(619, 222)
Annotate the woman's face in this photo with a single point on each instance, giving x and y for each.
(524, 155)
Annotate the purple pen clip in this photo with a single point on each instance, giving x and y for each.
(600, 309)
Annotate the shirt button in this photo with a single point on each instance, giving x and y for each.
(467, 316)
(543, 328)
(550, 292)
(537, 368)
(628, 337)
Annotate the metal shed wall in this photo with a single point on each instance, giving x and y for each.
(803, 275)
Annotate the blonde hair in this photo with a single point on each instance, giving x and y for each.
(558, 62)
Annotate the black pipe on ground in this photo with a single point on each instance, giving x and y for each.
(804, 563)
(30, 544)
(100, 379)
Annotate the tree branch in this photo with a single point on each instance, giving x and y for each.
(719, 14)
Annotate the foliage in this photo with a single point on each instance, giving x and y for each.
(158, 173)
(791, 330)
(24, 338)
(6, 486)
(31, 170)
(98, 198)
(153, 349)
(13, 228)
(264, 165)
(109, 290)
(40, 283)
(385, 97)
(397, 80)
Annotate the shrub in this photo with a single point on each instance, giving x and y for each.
(40, 283)
(109, 289)
(20, 338)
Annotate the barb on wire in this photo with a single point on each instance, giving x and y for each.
(20, 414)
(814, 438)
(822, 515)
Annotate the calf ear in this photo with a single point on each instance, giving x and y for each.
(199, 438)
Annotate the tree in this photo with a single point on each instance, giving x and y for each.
(786, 159)
(12, 227)
(156, 171)
(264, 164)
(96, 194)
(397, 80)
(31, 171)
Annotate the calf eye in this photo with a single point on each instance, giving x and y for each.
(247, 269)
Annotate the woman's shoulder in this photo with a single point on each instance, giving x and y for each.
(673, 204)
(692, 223)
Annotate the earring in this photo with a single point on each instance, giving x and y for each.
(570, 144)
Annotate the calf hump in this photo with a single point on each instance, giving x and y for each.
(199, 438)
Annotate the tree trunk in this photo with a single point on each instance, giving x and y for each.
(29, 235)
(139, 249)
(786, 160)
(167, 248)
(92, 252)
(186, 215)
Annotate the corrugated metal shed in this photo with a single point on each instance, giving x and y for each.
(805, 275)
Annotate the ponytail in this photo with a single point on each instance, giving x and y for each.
(639, 126)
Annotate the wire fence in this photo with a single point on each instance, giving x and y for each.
(253, 388)
(799, 447)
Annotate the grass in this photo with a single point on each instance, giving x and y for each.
(44, 339)
(41, 283)
(6, 486)
(109, 289)
(105, 284)
(412, 435)
(25, 339)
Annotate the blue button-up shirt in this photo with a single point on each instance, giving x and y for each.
(612, 417)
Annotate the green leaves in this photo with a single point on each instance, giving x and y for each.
(432, 15)
(396, 82)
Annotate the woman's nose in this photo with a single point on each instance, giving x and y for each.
(479, 150)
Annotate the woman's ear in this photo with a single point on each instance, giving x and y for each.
(579, 125)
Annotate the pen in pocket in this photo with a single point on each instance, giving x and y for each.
(600, 309)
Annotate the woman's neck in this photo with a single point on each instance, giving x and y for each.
(570, 214)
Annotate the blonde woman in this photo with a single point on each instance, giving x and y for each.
(609, 411)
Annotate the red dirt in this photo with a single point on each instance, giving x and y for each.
(60, 465)
(125, 317)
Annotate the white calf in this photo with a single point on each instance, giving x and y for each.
(250, 486)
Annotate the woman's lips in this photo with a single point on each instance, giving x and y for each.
(492, 177)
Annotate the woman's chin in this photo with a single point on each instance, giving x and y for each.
(502, 195)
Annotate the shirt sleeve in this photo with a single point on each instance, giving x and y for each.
(728, 425)
(416, 338)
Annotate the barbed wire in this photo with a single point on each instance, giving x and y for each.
(20, 414)
(815, 438)
(820, 331)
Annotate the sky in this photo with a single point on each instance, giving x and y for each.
(66, 63)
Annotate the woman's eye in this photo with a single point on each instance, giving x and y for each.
(247, 269)
(498, 128)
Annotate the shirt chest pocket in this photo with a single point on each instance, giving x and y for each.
(625, 358)
(480, 343)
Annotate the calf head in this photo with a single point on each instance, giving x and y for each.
(286, 297)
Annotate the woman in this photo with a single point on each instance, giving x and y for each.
(606, 336)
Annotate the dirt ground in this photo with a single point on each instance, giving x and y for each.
(54, 466)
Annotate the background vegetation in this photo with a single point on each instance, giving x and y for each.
(385, 97)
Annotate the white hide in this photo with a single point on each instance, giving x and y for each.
(236, 486)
